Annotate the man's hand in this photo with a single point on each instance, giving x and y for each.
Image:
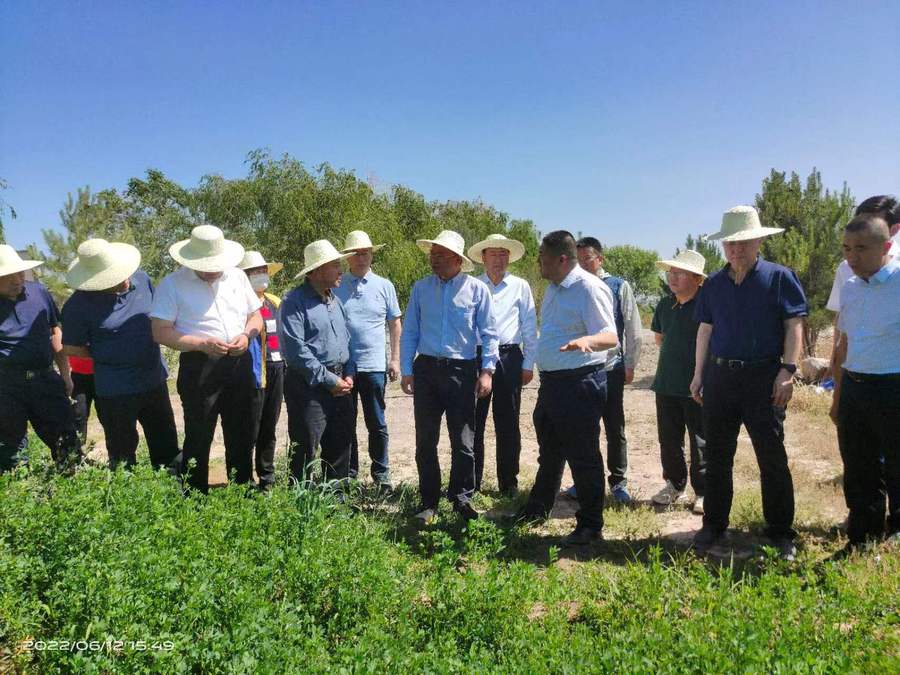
(697, 389)
(342, 388)
(484, 384)
(406, 384)
(239, 345)
(527, 376)
(393, 370)
(349, 380)
(582, 344)
(213, 347)
(70, 386)
(783, 389)
(629, 375)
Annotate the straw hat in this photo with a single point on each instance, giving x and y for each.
(101, 265)
(452, 241)
(11, 263)
(207, 250)
(319, 253)
(253, 259)
(516, 248)
(358, 240)
(688, 260)
(741, 223)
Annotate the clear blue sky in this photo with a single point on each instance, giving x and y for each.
(636, 122)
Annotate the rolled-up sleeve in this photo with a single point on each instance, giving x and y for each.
(409, 339)
(294, 350)
(486, 327)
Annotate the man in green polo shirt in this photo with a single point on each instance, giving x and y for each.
(676, 334)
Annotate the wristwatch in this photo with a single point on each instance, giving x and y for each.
(790, 367)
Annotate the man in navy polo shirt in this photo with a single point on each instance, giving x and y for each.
(748, 343)
(30, 390)
(108, 319)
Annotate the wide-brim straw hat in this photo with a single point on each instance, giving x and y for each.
(452, 241)
(742, 223)
(254, 259)
(12, 263)
(318, 253)
(687, 260)
(357, 240)
(101, 265)
(516, 248)
(207, 250)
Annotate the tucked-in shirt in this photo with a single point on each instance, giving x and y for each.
(369, 301)
(218, 310)
(116, 329)
(748, 318)
(675, 368)
(870, 317)
(25, 328)
(514, 315)
(313, 335)
(444, 320)
(844, 272)
(629, 349)
(577, 306)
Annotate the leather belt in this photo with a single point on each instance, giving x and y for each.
(737, 364)
(442, 361)
(503, 349)
(571, 372)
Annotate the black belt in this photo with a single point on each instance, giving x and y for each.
(503, 349)
(737, 364)
(337, 369)
(24, 373)
(571, 372)
(442, 361)
(872, 377)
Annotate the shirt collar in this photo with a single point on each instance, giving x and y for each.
(366, 278)
(886, 272)
(486, 279)
(459, 277)
(571, 277)
(750, 272)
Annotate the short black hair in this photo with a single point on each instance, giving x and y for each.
(559, 242)
(885, 206)
(593, 242)
(871, 224)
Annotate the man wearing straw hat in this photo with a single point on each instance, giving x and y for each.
(370, 301)
(516, 320)
(675, 330)
(750, 337)
(208, 311)
(315, 344)
(447, 312)
(30, 390)
(107, 319)
(271, 366)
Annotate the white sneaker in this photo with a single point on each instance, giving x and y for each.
(668, 495)
(698, 505)
(427, 516)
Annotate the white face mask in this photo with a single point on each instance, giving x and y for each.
(260, 282)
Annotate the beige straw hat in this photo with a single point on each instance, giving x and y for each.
(101, 265)
(318, 253)
(450, 240)
(357, 240)
(254, 259)
(516, 248)
(11, 262)
(741, 223)
(207, 250)
(686, 260)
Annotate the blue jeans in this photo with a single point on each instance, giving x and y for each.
(369, 388)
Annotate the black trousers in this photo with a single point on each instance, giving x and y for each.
(614, 425)
(120, 416)
(869, 430)
(567, 423)
(39, 398)
(674, 414)
(210, 388)
(731, 397)
(268, 412)
(445, 386)
(83, 393)
(316, 419)
(506, 396)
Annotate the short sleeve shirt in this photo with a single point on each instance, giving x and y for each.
(369, 301)
(25, 328)
(870, 316)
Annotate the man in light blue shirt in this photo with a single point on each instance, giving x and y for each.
(516, 319)
(370, 301)
(447, 312)
(577, 330)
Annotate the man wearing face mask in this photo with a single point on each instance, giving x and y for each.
(271, 366)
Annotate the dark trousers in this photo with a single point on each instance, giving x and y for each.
(674, 414)
(316, 419)
(731, 397)
(267, 413)
(567, 423)
(120, 416)
(83, 394)
(368, 389)
(210, 388)
(445, 386)
(506, 395)
(614, 425)
(869, 432)
(39, 398)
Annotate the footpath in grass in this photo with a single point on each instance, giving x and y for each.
(118, 572)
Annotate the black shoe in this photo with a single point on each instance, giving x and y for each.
(466, 511)
(525, 517)
(705, 539)
(384, 488)
(582, 536)
(786, 548)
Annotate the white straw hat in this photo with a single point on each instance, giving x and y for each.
(516, 248)
(101, 265)
(253, 259)
(207, 250)
(11, 262)
(359, 240)
(741, 223)
(450, 240)
(688, 260)
(318, 253)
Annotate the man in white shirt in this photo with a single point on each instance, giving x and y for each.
(208, 310)
(516, 320)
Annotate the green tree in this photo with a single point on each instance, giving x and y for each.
(708, 249)
(637, 266)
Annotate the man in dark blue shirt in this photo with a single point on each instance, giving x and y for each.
(30, 390)
(750, 337)
(108, 319)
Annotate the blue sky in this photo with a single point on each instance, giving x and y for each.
(636, 122)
